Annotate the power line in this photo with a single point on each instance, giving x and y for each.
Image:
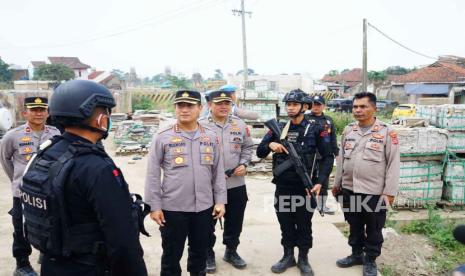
(131, 27)
(400, 44)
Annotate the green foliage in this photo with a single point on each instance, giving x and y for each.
(218, 75)
(397, 70)
(179, 82)
(143, 102)
(118, 73)
(333, 73)
(449, 252)
(340, 120)
(250, 72)
(5, 73)
(56, 72)
(388, 270)
(377, 76)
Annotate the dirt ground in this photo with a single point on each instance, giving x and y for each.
(260, 240)
(408, 255)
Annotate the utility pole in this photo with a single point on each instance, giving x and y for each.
(242, 13)
(365, 74)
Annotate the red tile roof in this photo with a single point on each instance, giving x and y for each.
(94, 74)
(71, 62)
(350, 77)
(36, 64)
(436, 72)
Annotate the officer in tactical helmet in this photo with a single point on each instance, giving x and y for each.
(77, 206)
(296, 219)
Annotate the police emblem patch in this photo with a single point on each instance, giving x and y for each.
(179, 160)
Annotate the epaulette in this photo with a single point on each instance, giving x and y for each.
(161, 130)
(19, 128)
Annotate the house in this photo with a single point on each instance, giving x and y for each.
(108, 79)
(347, 79)
(435, 80)
(80, 69)
(19, 73)
(282, 83)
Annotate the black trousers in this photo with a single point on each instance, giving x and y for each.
(233, 218)
(178, 227)
(365, 224)
(71, 267)
(295, 221)
(21, 247)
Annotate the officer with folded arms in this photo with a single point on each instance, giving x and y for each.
(17, 147)
(192, 191)
(237, 147)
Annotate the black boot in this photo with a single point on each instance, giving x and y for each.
(355, 259)
(288, 260)
(24, 268)
(303, 264)
(369, 266)
(231, 256)
(201, 273)
(211, 263)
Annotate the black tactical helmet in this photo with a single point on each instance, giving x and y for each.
(296, 96)
(308, 100)
(78, 99)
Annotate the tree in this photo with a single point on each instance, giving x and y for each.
(333, 73)
(118, 73)
(377, 77)
(218, 74)
(5, 74)
(158, 78)
(249, 70)
(396, 70)
(179, 82)
(56, 72)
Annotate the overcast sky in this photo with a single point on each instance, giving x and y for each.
(201, 35)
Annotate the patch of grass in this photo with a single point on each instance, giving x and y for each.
(449, 252)
(388, 270)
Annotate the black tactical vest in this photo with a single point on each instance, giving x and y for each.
(46, 223)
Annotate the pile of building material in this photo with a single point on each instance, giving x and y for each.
(422, 151)
(454, 188)
(421, 141)
(150, 119)
(259, 165)
(420, 183)
(450, 117)
(133, 137)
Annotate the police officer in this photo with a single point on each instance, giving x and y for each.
(192, 191)
(17, 147)
(367, 172)
(237, 147)
(97, 230)
(295, 222)
(326, 123)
